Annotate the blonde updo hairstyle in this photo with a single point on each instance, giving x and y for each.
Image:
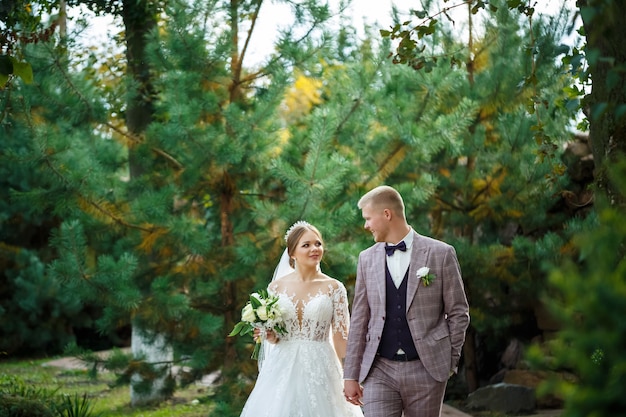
(293, 237)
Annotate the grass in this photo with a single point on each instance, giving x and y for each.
(107, 401)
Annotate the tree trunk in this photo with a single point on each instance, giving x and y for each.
(139, 19)
(469, 364)
(605, 105)
(160, 354)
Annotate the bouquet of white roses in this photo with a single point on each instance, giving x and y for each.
(261, 312)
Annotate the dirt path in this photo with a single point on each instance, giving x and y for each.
(66, 363)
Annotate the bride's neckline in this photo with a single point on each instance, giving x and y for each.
(300, 304)
(308, 277)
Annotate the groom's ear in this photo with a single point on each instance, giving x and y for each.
(388, 214)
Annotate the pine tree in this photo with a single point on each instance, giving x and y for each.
(493, 198)
(458, 144)
(156, 223)
(40, 317)
(230, 160)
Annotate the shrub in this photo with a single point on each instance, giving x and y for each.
(16, 406)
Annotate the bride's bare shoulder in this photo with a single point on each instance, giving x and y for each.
(332, 282)
(280, 283)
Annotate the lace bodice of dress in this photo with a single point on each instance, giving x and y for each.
(313, 317)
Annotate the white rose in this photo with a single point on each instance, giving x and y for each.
(247, 314)
(423, 271)
(261, 312)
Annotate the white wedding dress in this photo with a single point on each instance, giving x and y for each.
(301, 375)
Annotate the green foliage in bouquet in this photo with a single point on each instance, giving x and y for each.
(260, 312)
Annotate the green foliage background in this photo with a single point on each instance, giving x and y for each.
(169, 229)
(586, 293)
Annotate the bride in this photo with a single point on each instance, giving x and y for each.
(300, 371)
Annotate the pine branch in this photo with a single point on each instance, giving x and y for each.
(99, 208)
(254, 19)
(69, 82)
(135, 139)
(264, 72)
(357, 102)
(87, 104)
(449, 206)
(387, 165)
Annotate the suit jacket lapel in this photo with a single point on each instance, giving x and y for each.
(419, 258)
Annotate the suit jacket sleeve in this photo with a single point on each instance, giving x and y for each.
(358, 326)
(455, 305)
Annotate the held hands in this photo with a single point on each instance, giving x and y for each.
(270, 336)
(353, 391)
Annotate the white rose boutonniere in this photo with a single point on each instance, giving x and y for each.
(425, 275)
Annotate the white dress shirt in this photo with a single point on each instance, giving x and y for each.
(398, 263)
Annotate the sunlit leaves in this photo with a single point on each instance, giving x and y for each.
(301, 97)
(11, 66)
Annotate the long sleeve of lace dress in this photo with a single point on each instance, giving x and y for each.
(341, 314)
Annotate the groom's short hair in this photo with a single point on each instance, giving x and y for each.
(383, 197)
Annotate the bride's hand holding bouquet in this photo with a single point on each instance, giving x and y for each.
(260, 315)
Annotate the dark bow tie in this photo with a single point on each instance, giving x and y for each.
(390, 249)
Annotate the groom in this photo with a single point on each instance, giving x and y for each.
(409, 316)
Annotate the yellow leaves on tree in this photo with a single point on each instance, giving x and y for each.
(503, 257)
(485, 192)
(299, 100)
(283, 137)
(149, 238)
(301, 97)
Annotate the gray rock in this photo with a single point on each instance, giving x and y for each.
(504, 398)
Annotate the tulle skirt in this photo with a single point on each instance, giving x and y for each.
(300, 378)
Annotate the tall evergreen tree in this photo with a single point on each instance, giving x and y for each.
(484, 194)
(154, 208)
(232, 156)
(460, 148)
